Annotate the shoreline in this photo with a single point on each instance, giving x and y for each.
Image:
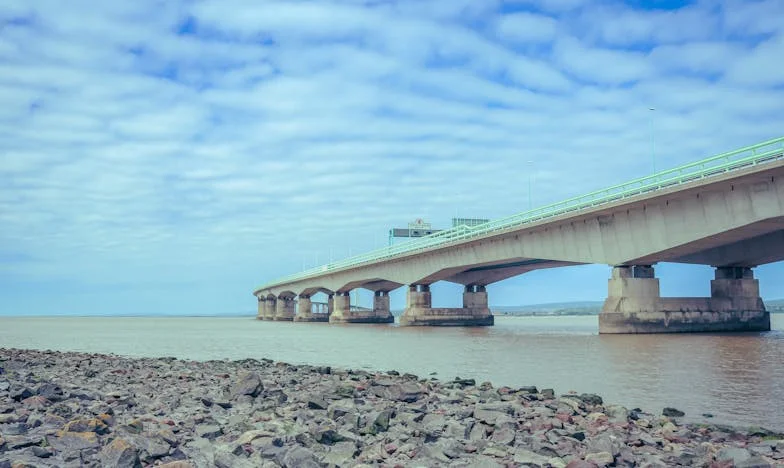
(87, 409)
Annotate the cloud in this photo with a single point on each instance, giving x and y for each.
(526, 27)
(228, 143)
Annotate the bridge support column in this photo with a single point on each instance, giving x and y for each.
(285, 309)
(419, 311)
(305, 311)
(343, 312)
(261, 311)
(634, 305)
(269, 308)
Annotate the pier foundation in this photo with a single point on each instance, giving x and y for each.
(419, 311)
(342, 312)
(305, 311)
(634, 304)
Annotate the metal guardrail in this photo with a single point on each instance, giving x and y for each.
(760, 153)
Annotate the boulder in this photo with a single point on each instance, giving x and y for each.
(672, 412)
(247, 383)
(120, 454)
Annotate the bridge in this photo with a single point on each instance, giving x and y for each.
(726, 211)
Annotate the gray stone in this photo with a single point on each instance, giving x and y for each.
(734, 454)
(672, 413)
(527, 457)
(208, 431)
(120, 454)
(381, 422)
(754, 462)
(247, 383)
(299, 457)
(317, 403)
(600, 458)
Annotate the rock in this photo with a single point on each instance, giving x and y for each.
(580, 464)
(672, 413)
(408, 392)
(176, 464)
(591, 399)
(616, 413)
(74, 441)
(317, 403)
(87, 425)
(340, 454)
(248, 383)
(527, 457)
(600, 458)
(14, 429)
(299, 457)
(19, 393)
(208, 431)
(548, 393)
(381, 422)
(754, 462)
(50, 391)
(482, 461)
(734, 454)
(120, 454)
(490, 412)
(464, 382)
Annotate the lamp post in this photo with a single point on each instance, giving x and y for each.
(653, 142)
(530, 204)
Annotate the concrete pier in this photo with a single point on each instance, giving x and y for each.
(305, 312)
(268, 310)
(634, 304)
(285, 309)
(260, 313)
(419, 311)
(343, 313)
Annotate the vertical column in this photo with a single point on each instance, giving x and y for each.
(341, 307)
(418, 298)
(330, 304)
(270, 305)
(475, 297)
(381, 313)
(735, 289)
(284, 310)
(304, 306)
(260, 313)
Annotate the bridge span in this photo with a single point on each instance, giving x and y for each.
(726, 211)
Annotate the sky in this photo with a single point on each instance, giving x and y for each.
(168, 156)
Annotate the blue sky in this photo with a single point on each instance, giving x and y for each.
(168, 156)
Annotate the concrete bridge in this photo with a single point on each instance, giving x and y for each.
(726, 211)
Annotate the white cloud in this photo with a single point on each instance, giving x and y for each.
(272, 132)
(526, 27)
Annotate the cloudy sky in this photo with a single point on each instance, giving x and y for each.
(168, 156)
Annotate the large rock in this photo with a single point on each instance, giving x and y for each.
(247, 383)
(734, 454)
(120, 454)
(74, 440)
(299, 457)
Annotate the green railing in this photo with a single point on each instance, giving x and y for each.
(760, 153)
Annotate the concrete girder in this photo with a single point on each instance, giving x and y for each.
(484, 276)
(315, 290)
(287, 295)
(766, 248)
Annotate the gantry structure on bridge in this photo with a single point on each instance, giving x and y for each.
(726, 211)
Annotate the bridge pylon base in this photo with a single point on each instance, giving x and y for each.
(343, 313)
(474, 312)
(312, 318)
(633, 305)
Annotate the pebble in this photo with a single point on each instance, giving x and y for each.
(77, 409)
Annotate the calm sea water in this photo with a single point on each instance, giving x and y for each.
(739, 378)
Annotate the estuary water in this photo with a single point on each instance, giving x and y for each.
(738, 378)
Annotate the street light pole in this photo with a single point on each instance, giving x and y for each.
(653, 142)
(530, 203)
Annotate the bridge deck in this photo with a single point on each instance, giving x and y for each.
(759, 154)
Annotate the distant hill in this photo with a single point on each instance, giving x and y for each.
(551, 309)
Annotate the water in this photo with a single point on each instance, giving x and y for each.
(739, 378)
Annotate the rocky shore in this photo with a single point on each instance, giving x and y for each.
(72, 410)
